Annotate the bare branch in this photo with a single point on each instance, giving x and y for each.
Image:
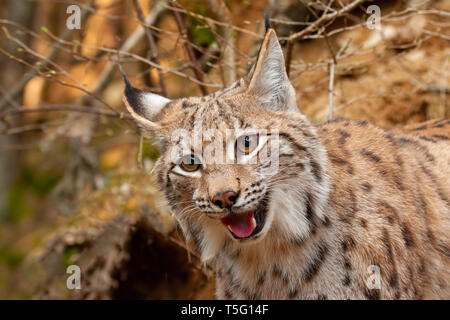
(27, 77)
(187, 43)
(152, 45)
(222, 13)
(62, 107)
(325, 18)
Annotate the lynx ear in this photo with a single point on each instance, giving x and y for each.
(269, 81)
(143, 106)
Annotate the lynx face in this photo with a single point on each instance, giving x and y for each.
(229, 157)
(228, 186)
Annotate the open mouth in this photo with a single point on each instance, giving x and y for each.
(246, 225)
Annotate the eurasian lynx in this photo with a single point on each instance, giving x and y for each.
(349, 211)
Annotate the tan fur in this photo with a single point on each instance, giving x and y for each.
(347, 195)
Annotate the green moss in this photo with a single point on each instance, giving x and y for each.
(199, 29)
(10, 258)
(150, 151)
(17, 208)
(69, 253)
(40, 182)
(34, 182)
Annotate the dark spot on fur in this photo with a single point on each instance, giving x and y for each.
(398, 182)
(420, 128)
(227, 294)
(276, 271)
(408, 142)
(336, 120)
(393, 280)
(261, 279)
(390, 212)
(347, 243)
(314, 266)
(372, 294)
(344, 136)
(363, 223)
(350, 169)
(427, 139)
(443, 249)
(186, 105)
(292, 141)
(326, 221)
(315, 168)
(407, 236)
(366, 186)
(362, 123)
(440, 137)
(346, 280)
(347, 264)
(293, 293)
(399, 161)
(337, 160)
(369, 154)
(422, 267)
(352, 205)
(310, 212)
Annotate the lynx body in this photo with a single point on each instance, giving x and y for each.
(351, 212)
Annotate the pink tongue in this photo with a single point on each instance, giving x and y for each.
(241, 224)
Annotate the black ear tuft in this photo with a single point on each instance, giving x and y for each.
(128, 87)
(266, 19)
(132, 94)
(143, 106)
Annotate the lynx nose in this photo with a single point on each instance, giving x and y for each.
(225, 199)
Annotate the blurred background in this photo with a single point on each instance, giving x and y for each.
(75, 173)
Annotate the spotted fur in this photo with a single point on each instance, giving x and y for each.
(347, 195)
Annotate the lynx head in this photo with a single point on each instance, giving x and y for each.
(241, 164)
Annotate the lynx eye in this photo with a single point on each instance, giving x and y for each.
(189, 163)
(247, 143)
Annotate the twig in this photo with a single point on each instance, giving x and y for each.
(124, 51)
(327, 40)
(140, 151)
(436, 34)
(330, 89)
(226, 40)
(187, 44)
(135, 37)
(152, 45)
(215, 22)
(63, 107)
(289, 49)
(17, 89)
(48, 62)
(325, 18)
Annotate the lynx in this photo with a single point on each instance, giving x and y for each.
(351, 211)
